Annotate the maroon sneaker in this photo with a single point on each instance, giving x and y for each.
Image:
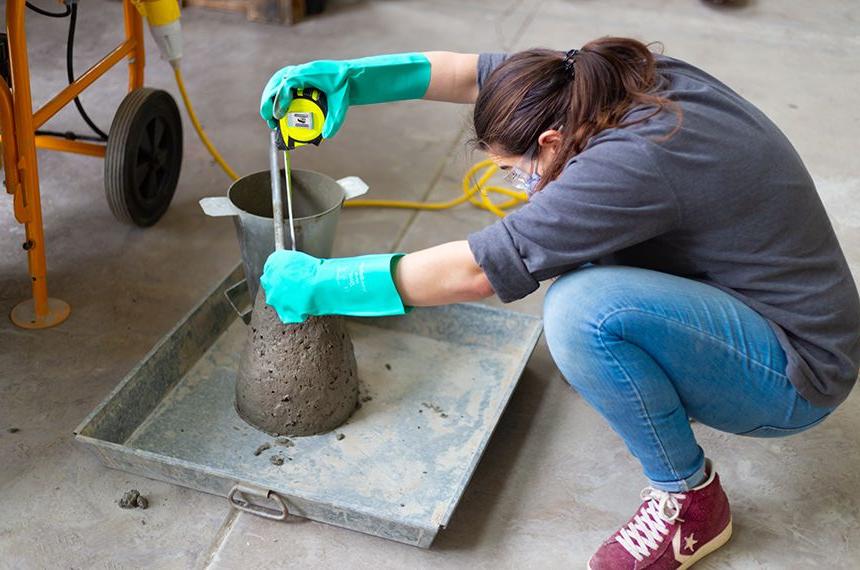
(671, 531)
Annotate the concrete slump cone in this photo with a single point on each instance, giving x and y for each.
(296, 379)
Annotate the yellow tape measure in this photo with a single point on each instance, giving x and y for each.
(303, 123)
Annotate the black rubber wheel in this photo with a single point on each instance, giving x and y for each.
(143, 156)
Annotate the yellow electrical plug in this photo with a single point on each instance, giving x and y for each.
(163, 19)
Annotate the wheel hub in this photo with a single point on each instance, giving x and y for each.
(152, 160)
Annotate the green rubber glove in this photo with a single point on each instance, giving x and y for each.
(298, 285)
(376, 79)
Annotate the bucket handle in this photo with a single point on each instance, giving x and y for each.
(218, 206)
(353, 187)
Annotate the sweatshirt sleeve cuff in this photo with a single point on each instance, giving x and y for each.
(498, 256)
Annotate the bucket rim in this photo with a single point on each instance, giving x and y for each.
(293, 170)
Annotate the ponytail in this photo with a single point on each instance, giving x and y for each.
(579, 92)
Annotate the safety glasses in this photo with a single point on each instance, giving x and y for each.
(524, 178)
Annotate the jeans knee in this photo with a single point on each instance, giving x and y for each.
(562, 316)
(578, 301)
(574, 307)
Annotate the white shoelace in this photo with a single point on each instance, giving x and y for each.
(648, 528)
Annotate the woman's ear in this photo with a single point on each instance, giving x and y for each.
(550, 139)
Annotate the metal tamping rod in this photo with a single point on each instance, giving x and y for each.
(289, 179)
(277, 201)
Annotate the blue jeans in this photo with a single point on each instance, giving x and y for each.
(650, 350)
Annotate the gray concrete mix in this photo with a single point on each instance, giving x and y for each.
(553, 481)
(297, 379)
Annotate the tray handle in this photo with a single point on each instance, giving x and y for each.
(239, 498)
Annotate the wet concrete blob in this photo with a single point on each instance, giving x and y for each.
(297, 379)
(133, 500)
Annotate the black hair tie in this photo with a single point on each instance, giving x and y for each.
(569, 63)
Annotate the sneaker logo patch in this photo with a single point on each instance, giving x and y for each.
(690, 542)
(676, 546)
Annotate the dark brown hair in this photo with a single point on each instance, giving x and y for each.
(533, 91)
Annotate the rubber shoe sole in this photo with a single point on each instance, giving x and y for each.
(708, 548)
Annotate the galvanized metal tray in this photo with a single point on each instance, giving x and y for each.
(435, 383)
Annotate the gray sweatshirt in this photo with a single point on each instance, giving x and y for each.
(726, 201)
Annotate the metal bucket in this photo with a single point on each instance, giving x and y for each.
(317, 201)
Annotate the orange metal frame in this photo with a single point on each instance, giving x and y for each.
(19, 123)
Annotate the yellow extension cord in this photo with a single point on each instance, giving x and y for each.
(471, 187)
(199, 128)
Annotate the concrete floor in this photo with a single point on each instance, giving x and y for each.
(554, 481)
